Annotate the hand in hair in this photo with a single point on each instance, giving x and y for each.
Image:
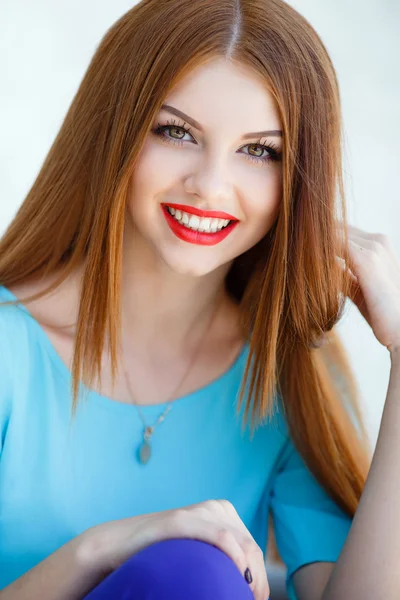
(375, 289)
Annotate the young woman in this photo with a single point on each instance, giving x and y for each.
(169, 361)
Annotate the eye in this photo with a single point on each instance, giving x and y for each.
(272, 153)
(174, 130)
(176, 134)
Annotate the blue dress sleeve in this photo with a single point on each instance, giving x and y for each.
(309, 525)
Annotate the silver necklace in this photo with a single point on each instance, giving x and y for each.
(144, 449)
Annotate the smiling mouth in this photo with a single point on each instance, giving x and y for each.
(196, 223)
(195, 226)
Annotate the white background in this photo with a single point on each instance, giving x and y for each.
(45, 48)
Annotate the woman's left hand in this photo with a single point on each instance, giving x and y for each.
(375, 270)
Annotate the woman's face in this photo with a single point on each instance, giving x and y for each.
(200, 198)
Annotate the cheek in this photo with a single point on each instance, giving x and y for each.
(263, 198)
(153, 172)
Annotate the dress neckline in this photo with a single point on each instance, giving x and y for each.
(107, 401)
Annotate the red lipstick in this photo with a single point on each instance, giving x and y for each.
(211, 214)
(198, 237)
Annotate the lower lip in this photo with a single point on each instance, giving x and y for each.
(197, 237)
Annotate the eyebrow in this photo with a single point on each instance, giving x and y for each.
(253, 134)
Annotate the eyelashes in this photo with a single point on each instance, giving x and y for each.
(273, 153)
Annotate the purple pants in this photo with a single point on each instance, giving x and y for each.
(176, 569)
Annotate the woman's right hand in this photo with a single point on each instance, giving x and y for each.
(214, 521)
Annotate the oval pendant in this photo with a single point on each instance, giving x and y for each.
(145, 453)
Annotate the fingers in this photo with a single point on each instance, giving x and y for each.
(218, 523)
(252, 552)
(374, 270)
(246, 554)
(376, 242)
(243, 551)
(356, 296)
(366, 251)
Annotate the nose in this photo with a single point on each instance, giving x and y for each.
(212, 182)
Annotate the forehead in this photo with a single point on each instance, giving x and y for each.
(221, 92)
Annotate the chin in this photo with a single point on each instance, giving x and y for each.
(190, 268)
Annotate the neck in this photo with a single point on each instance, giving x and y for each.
(161, 307)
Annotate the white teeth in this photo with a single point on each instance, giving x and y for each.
(194, 222)
(202, 224)
(205, 225)
(213, 227)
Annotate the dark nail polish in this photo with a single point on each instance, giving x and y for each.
(247, 576)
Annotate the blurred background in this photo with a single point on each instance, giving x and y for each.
(45, 48)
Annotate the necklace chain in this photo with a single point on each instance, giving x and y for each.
(144, 450)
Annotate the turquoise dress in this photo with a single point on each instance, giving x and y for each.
(59, 477)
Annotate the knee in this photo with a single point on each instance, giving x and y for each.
(182, 569)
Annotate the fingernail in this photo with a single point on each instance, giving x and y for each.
(247, 576)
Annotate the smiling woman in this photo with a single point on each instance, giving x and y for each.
(175, 265)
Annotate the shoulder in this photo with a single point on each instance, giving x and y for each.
(21, 333)
(28, 328)
(24, 349)
(15, 335)
(57, 309)
(13, 323)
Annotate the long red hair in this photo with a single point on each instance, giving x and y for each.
(290, 287)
